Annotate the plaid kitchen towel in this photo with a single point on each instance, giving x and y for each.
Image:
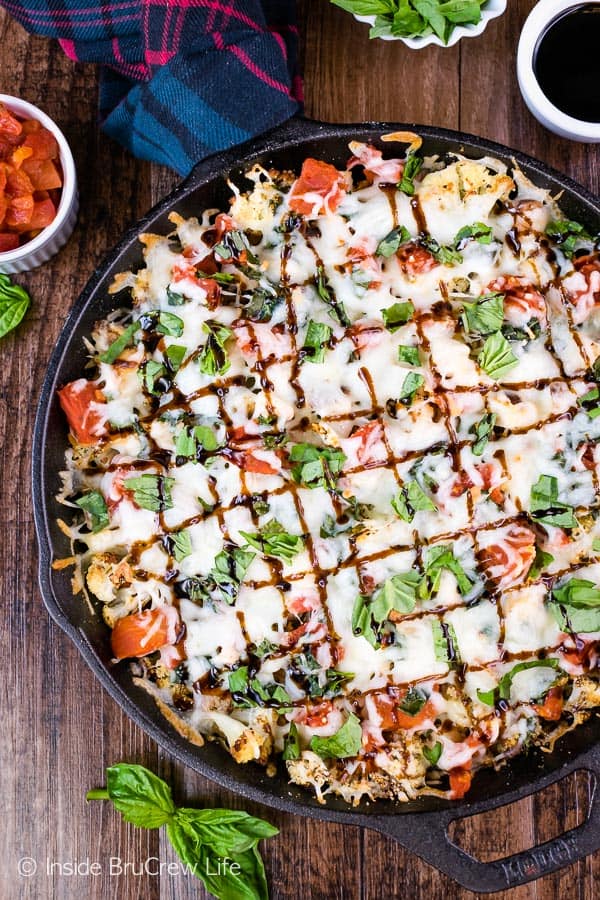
(180, 79)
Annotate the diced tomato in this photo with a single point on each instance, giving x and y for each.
(405, 720)
(552, 707)
(19, 212)
(317, 179)
(508, 561)
(18, 183)
(85, 421)
(213, 291)
(414, 259)
(522, 301)
(182, 271)
(9, 124)
(140, 634)
(316, 716)
(44, 212)
(460, 782)
(20, 155)
(392, 717)
(491, 474)
(371, 446)
(8, 241)
(43, 174)
(247, 461)
(366, 335)
(43, 144)
(462, 483)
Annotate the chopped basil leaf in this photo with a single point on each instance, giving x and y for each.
(152, 370)
(432, 754)
(232, 246)
(214, 359)
(476, 232)
(547, 508)
(412, 167)
(445, 645)
(496, 357)
(397, 593)
(174, 298)
(94, 504)
(567, 235)
(273, 540)
(410, 499)
(174, 355)
(169, 323)
(262, 304)
(117, 347)
(576, 606)
(344, 743)
(388, 245)
(502, 691)
(397, 315)
(446, 256)
(151, 491)
(182, 544)
(238, 680)
(485, 314)
(228, 572)
(316, 466)
(408, 355)
(440, 557)
(361, 620)
(326, 293)
(482, 431)
(412, 383)
(291, 744)
(590, 402)
(540, 562)
(413, 701)
(265, 648)
(189, 440)
(528, 333)
(316, 341)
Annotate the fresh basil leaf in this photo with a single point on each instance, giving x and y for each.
(344, 743)
(182, 544)
(408, 355)
(238, 680)
(139, 795)
(478, 231)
(410, 499)
(397, 315)
(316, 342)
(327, 295)
(117, 346)
(263, 304)
(388, 245)
(430, 11)
(412, 383)
(93, 503)
(496, 358)
(365, 7)
(316, 466)
(14, 303)
(545, 506)
(502, 691)
(291, 744)
(412, 167)
(405, 23)
(273, 540)
(482, 431)
(432, 754)
(174, 355)
(484, 315)
(467, 12)
(151, 491)
(214, 359)
(361, 620)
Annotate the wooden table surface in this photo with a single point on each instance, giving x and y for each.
(59, 728)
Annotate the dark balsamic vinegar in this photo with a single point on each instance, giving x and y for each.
(566, 62)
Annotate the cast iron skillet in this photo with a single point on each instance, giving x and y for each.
(419, 825)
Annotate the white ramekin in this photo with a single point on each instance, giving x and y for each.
(50, 240)
(541, 107)
(492, 9)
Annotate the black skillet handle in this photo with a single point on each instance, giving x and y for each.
(426, 835)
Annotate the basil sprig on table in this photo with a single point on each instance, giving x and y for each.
(14, 302)
(415, 18)
(202, 838)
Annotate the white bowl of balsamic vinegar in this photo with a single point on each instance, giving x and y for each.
(558, 67)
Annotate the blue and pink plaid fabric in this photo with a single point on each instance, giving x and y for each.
(180, 79)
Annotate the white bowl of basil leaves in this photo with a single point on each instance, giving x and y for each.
(419, 23)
